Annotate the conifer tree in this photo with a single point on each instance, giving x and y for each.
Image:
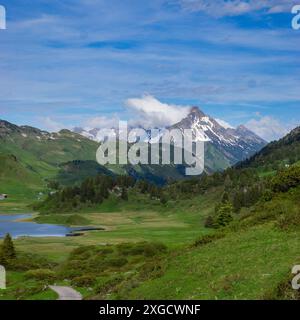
(8, 249)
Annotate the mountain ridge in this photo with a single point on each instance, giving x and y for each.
(235, 144)
(47, 156)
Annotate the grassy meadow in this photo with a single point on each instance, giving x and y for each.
(248, 261)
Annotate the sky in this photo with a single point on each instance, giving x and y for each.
(88, 63)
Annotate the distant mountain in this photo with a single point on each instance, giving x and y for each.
(43, 150)
(234, 144)
(64, 156)
(30, 156)
(224, 146)
(88, 133)
(39, 156)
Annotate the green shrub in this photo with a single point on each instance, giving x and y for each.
(106, 284)
(72, 269)
(88, 280)
(41, 275)
(105, 250)
(84, 253)
(290, 220)
(152, 270)
(148, 249)
(22, 293)
(278, 209)
(116, 262)
(286, 179)
(25, 262)
(283, 291)
(208, 239)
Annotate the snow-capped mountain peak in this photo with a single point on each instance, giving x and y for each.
(235, 144)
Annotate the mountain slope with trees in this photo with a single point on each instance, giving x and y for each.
(277, 154)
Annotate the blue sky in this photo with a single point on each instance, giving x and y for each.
(66, 63)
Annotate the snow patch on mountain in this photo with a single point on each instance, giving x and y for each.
(235, 144)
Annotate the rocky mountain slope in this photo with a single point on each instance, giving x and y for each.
(224, 146)
(234, 144)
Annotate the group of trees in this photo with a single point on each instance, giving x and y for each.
(154, 191)
(223, 214)
(237, 196)
(93, 191)
(243, 182)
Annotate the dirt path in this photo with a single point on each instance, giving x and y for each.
(66, 293)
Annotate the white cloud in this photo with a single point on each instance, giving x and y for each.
(224, 124)
(101, 122)
(150, 112)
(268, 128)
(51, 125)
(221, 8)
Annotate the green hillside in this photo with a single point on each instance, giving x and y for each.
(277, 154)
(43, 151)
(69, 158)
(27, 182)
(30, 157)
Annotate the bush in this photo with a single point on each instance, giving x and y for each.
(25, 262)
(41, 275)
(23, 293)
(289, 220)
(84, 281)
(107, 284)
(279, 209)
(283, 291)
(208, 239)
(83, 253)
(286, 179)
(72, 269)
(116, 262)
(152, 270)
(147, 249)
(105, 250)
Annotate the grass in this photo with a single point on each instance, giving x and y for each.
(177, 224)
(21, 288)
(243, 265)
(120, 227)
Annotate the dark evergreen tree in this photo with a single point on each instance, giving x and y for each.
(225, 212)
(7, 249)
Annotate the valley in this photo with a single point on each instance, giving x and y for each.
(232, 234)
